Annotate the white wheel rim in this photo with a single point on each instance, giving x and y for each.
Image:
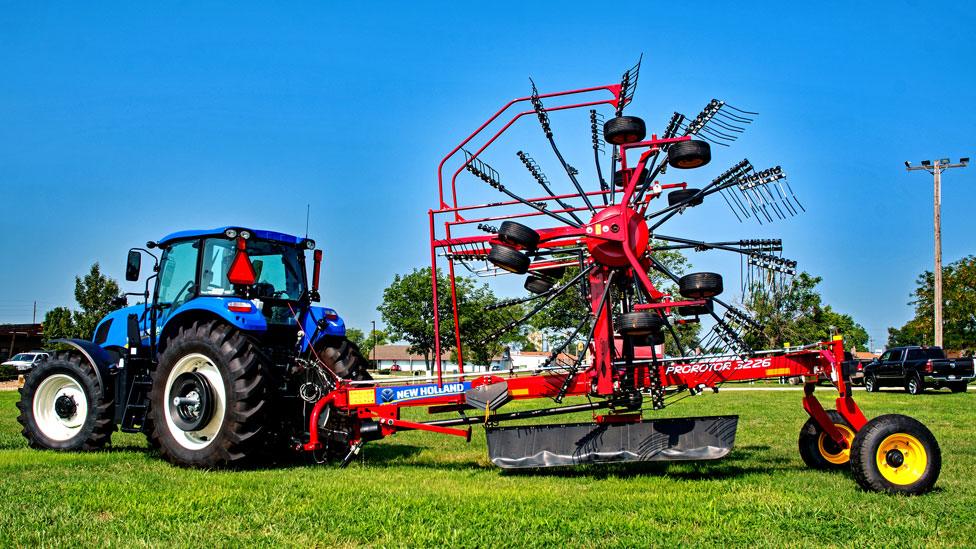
(52, 425)
(203, 437)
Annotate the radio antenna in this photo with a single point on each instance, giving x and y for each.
(308, 208)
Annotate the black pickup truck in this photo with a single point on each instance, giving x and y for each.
(916, 369)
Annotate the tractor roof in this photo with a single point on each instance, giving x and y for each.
(219, 231)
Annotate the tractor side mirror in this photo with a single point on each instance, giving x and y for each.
(132, 266)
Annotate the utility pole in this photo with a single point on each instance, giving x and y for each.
(373, 322)
(936, 170)
(34, 316)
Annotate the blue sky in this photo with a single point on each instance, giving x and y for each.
(124, 122)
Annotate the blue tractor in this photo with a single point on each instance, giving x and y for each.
(219, 366)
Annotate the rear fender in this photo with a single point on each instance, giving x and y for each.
(100, 360)
(322, 322)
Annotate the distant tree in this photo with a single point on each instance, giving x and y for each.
(356, 336)
(58, 324)
(797, 315)
(958, 309)
(373, 338)
(94, 293)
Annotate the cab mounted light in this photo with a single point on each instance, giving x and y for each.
(230, 233)
(245, 234)
(309, 244)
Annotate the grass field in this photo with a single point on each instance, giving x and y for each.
(421, 489)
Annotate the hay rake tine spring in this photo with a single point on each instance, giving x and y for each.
(543, 116)
(596, 121)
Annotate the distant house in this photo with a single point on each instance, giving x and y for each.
(18, 338)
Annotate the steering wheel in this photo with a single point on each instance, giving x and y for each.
(187, 286)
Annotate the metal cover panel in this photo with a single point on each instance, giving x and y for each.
(680, 439)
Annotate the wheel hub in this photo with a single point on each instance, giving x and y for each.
(191, 405)
(894, 458)
(65, 406)
(606, 233)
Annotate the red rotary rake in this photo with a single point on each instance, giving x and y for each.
(604, 244)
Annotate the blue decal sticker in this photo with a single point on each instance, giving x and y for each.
(402, 393)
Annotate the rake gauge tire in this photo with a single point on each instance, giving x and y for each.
(62, 406)
(686, 155)
(517, 234)
(697, 310)
(622, 130)
(896, 454)
(681, 195)
(509, 259)
(537, 285)
(622, 177)
(700, 285)
(639, 323)
(819, 451)
(216, 365)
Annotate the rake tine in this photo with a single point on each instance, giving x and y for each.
(730, 206)
(597, 149)
(718, 134)
(742, 111)
(544, 122)
(727, 126)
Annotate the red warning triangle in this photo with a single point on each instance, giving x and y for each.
(241, 271)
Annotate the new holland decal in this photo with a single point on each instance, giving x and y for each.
(403, 393)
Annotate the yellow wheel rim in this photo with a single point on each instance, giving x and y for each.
(902, 459)
(844, 455)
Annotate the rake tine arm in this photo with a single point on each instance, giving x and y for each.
(596, 154)
(549, 297)
(541, 179)
(579, 359)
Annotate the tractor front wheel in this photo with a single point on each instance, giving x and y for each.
(209, 398)
(62, 406)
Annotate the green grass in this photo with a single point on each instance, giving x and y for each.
(424, 489)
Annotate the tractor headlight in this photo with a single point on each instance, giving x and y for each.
(309, 243)
(245, 234)
(230, 233)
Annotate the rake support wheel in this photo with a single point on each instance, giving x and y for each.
(682, 196)
(537, 284)
(508, 258)
(686, 155)
(622, 130)
(896, 454)
(639, 323)
(819, 451)
(517, 234)
(700, 285)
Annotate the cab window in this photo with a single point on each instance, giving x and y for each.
(177, 276)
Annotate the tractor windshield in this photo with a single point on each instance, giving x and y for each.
(278, 269)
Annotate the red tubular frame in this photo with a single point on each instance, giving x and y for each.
(602, 375)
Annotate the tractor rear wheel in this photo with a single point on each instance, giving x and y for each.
(62, 406)
(622, 130)
(896, 454)
(818, 450)
(210, 398)
(344, 358)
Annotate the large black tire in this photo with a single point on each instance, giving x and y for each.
(511, 232)
(958, 386)
(914, 385)
(819, 451)
(896, 454)
(680, 196)
(236, 430)
(622, 177)
(700, 285)
(537, 285)
(508, 258)
(871, 383)
(686, 155)
(344, 358)
(62, 406)
(622, 130)
(639, 323)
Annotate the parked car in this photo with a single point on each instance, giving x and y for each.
(918, 368)
(25, 361)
